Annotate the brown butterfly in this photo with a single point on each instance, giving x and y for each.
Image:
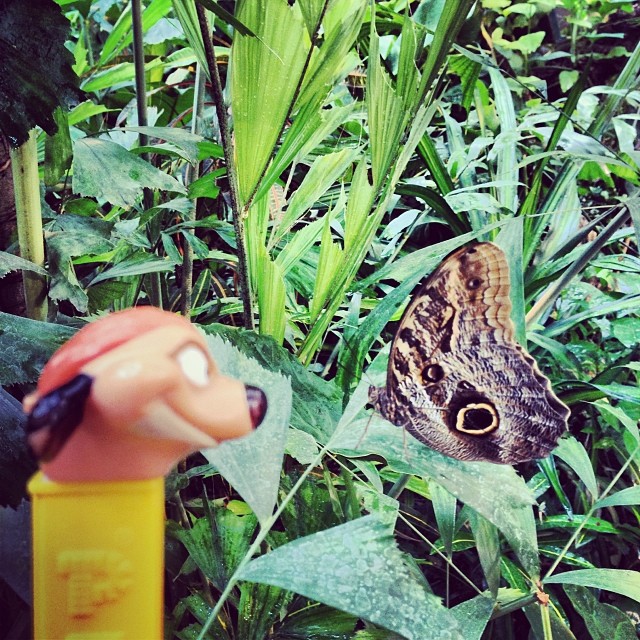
(457, 379)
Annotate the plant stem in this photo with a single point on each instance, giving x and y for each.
(26, 184)
(227, 146)
(155, 289)
(192, 174)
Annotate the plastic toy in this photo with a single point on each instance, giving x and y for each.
(114, 410)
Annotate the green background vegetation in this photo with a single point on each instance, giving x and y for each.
(286, 183)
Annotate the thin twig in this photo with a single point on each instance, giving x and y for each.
(155, 293)
(191, 175)
(227, 147)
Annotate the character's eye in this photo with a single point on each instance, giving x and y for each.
(194, 364)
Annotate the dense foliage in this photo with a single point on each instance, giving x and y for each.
(358, 144)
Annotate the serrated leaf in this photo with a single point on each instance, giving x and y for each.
(261, 453)
(25, 347)
(110, 173)
(319, 402)
(10, 262)
(357, 567)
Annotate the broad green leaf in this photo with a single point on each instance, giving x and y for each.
(330, 62)
(25, 347)
(122, 34)
(310, 126)
(488, 546)
(617, 413)
(603, 621)
(387, 117)
(328, 264)
(109, 172)
(363, 573)
(123, 73)
(625, 497)
(271, 297)
(574, 454)
(262, 451)
(10, 262)
(473, 616)
(265, 73)
(622, 581)
(135, 265)
(302, 446)
(444, 509)
(188, 143)
(505, 144)
(318, 403)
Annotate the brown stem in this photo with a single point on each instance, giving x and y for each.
(227, 147)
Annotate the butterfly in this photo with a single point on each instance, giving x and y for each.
(457, 379)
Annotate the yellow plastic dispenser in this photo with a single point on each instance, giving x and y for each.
(116, 408)
(98, 557)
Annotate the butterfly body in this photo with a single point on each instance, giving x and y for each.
(457, 380)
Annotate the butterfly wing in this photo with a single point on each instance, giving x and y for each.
(457, 379)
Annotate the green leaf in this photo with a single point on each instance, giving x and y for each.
(622, 581)
(187, 143)
(318, 403)
(10, 262)
(488, 545)
(603, 621)
(363, 573)
(444, 509)
(217, 544)
(260, 608)
(57, 150)
(323, 173)
(626, 497)
(109, 172)
(473, 616)
(573, 522)
(25, 347)
(265, 72)
(574, 454)
(262, 451)
(135, 265)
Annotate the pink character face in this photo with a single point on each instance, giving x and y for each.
(132, 394)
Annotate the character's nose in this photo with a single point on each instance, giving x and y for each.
(257, 402)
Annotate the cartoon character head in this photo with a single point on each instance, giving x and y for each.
(130, 395)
